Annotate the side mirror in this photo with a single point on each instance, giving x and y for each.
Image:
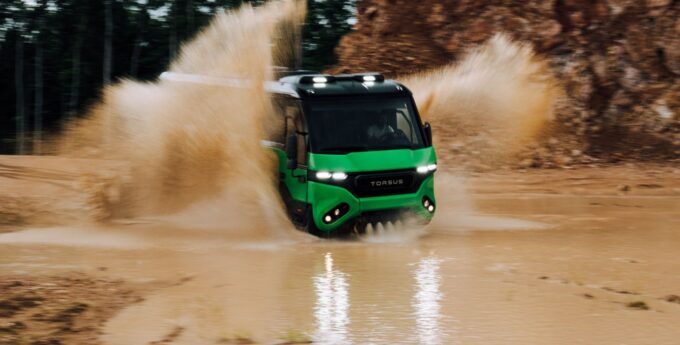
(292, 151)
(428, 133)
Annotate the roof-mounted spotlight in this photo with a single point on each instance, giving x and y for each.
(317, 79)
(368, 77)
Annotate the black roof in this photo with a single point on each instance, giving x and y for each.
(302, 85)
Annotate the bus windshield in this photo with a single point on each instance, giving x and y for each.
(339, 126)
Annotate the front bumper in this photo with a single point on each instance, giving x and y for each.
(325, 197)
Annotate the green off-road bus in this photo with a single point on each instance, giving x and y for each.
(351, 148)
(352, 151)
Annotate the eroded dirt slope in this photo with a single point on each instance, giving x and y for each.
(618, 62)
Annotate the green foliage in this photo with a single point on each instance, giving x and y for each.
(146, 36)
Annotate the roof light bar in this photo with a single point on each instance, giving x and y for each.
(317, 79)
(327, 78)
(368, 77)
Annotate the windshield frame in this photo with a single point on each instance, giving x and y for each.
(406, 97)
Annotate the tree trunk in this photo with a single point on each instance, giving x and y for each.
(172, 44)
(190, 16)
(38, 111)
(136, 52)
(108, 61)
(75, 70)
(19, 87)
(137, 49)
(108, 41)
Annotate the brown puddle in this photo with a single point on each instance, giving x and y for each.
(541, 268)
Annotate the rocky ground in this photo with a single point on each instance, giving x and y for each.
(618, 62)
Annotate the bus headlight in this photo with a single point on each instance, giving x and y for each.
(323, 175)
(339, 176)
(327, 175)
(424, 169)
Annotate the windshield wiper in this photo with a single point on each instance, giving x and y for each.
(345, 149)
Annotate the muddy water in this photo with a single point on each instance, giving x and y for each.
(508, 263)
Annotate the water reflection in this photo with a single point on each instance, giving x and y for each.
(332, 305)
(426, 301)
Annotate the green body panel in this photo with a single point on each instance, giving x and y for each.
(372, 160)
(323, 197)
(327, 196)
(412, 201)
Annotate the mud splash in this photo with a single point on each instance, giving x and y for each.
(492, 105)
(459, 214)
(193, 151)
(187, 143)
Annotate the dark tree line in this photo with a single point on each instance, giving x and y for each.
(55, 55)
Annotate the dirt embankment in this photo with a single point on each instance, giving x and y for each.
(618, 62)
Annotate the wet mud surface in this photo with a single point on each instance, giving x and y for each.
(64, 309)
(583, 256)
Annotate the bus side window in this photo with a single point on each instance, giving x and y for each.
(294, 125)
(275, 124)
(404, 124)
(290, 121)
